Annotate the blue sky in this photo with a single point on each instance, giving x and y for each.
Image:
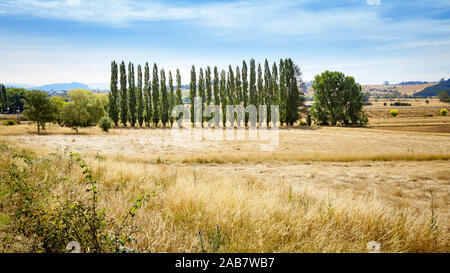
(75, 40)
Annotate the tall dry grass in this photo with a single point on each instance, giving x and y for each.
(194, 211)
(292, 157)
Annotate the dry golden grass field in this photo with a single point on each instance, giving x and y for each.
(325, 189)
(409, 89)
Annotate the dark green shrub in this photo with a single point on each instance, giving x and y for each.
(105, 123)
(401, 104)
(9, 122)
(363, 119)
(308, 120)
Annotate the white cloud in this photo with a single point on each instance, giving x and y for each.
(374, 2)
(73, 3)
(239, 20)
(243, 20)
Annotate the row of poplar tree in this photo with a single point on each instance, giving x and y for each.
(151, 100)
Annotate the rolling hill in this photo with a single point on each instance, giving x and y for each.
(52, 87)
(434, 90)
(62, 86)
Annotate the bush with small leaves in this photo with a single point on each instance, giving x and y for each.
(394, 113)
(444, 112)
(105, 123)
(363, 119)
(48, 221)
(9, 123)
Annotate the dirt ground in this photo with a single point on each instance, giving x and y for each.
(439, 129)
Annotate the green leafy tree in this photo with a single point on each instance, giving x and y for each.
(58, 102)
(443, 112)
(192, 91)
(114, 95)
(75, 116)
(164, 100)
(132, 94)
(15, 99)
(123, 95)
(223, 95)
(140, 99)
(39, 108)
(148, 95)
(155, 93)
(83, 109)
(171, 98)
(337, 99)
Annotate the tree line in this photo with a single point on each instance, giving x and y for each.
(150, 100)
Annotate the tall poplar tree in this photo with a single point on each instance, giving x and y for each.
(171, 98)
(267, 89)
(155, 95)
(223, 95)
(295, 98)
(275, 92)
(148, 95)
(201, 91)
(179, 99)
(113, 95)
(164, 100)
(132, 94)
(2, 99)
(245, 88)
(192, 91)
(216, 87)
(253, 95)
(238, 86)
(140, 106)
(123, 95)
(208, 85)
(282, 92)
(260, 92)
(230, 86)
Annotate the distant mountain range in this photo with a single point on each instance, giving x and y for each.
(435, 89)
(53, 87)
